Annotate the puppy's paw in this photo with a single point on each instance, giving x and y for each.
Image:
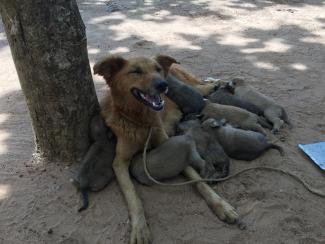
(140, 233)
(275, 131)
(211, 80)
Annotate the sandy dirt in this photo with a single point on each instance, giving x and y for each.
(278, 45)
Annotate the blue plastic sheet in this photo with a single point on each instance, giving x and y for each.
(316, 152)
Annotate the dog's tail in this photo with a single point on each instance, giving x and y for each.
(277, 147)
(263, 122)
(85, 199)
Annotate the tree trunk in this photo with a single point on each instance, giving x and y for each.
(49, 47)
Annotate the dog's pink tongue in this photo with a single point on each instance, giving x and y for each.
(152, 99)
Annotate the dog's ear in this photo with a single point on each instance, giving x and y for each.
(109, 66)
(165, 62)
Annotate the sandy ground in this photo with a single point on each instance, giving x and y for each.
(278, 45)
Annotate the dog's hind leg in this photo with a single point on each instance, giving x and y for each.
(220, 207)
(140, 233)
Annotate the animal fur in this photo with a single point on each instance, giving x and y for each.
(223, 96)
(96, 170)
(273, 112)
(208, 148)
(234, 115)
(131, 107)
(237, 143)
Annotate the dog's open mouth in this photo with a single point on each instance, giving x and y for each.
(153, 101)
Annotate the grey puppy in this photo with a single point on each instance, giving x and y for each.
(237, 143)
(217, 161)
(272, 111)
(236, 116)
(188, 99)
(168, 160)
(96, 171)
(223, 96)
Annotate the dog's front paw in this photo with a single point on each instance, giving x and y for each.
(225, 212)
(140, 233)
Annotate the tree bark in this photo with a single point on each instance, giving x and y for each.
(49, 47)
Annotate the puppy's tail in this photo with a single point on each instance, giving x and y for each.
(85, 199)
(277, 147)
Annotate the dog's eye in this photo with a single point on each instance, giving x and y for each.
(158, 69)
(136, 70)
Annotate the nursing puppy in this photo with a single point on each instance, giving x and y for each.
(272, 111)
(132, 106)
(168, 160)
(96, 170)
(188, 99)
(236, 116)
(205, 88)
(223, 96)
(237, 143)
(208, 148)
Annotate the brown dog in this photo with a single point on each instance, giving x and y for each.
(133, 106)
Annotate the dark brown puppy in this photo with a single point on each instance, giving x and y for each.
(187, 98)
(179, 72)
(96, 168)
(208, 147)
(237, 143)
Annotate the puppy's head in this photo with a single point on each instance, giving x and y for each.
(211, 123)
(231, 85)
(136, 79)
(98, 128)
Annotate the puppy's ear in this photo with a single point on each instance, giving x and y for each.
(109, 66)
(215, 124)
(223, 122)
(210, 123)
(230, 87)
(165, 62)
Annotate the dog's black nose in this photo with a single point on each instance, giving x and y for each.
(161, 85)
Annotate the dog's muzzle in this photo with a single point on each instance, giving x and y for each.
(153, 101)
(161, 86)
